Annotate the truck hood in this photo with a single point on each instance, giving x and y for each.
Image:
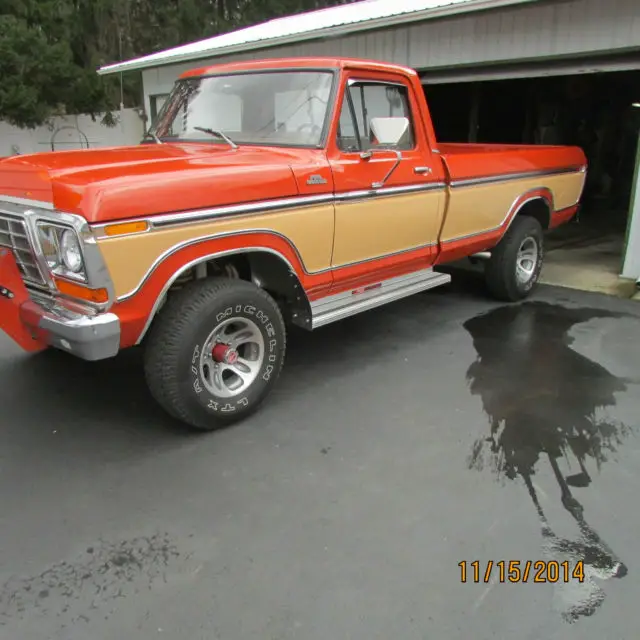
(126, 182)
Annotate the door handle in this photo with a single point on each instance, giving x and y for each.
(422, 170)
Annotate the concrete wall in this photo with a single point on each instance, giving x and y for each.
(71, 132)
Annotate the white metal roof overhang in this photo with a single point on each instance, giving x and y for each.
(326, 23)
(538, 69)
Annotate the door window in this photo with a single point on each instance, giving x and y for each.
(364, 101)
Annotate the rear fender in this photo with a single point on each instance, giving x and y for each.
(537, 203)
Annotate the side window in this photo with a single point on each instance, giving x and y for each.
(156, 102)
(365, 101)
(348, 136)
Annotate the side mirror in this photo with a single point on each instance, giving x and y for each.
(389, 131)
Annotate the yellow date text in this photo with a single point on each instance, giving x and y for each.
(517, 571)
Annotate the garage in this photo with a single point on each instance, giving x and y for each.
(596, 107)
(495, 71)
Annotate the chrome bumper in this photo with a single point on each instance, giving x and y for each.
(90, 337)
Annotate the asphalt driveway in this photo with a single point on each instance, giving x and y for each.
(440, 430)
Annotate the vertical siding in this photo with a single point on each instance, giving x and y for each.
(529, 32)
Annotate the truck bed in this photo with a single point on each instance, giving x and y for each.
(488, 183)
(481, 162)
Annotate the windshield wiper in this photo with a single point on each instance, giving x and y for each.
(218, 134)
(153, 136)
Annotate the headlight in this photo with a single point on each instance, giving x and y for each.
(62, 250)
(70, 251)
(49, 242)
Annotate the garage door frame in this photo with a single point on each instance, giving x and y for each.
(630, 263)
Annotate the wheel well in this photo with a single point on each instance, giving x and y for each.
(538, 209)
(267, 270)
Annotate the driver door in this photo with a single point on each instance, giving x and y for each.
(388, 210)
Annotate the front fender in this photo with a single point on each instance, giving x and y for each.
(137, 308)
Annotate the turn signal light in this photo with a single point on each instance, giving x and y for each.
(76, 290)
(126, 227)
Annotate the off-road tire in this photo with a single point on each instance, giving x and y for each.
(178, 337)
(501, 271)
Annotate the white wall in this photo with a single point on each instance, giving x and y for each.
(72, 132)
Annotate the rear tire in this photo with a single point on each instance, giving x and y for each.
(514, 268)
(214, 352)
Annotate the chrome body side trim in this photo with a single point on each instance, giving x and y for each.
(349, 303)
(263, 206)
(365, 194)
(523, 175)
(283, 204)
(166, 220)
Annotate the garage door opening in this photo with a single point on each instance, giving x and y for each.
(599, 113)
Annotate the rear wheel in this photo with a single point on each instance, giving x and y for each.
(516, 262)
(215, 352)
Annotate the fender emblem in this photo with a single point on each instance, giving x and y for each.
(316, 179)
(6, 293)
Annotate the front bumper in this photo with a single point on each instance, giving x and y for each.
(90, 337)
(40, 321)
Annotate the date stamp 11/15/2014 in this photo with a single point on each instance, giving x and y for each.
(517, 571)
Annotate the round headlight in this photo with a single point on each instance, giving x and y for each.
(70, 251)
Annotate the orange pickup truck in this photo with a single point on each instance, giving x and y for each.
(267, 193)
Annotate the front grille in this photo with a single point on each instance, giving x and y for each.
(13, 235)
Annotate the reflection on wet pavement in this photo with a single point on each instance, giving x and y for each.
(545, 402)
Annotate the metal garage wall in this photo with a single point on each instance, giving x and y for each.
(567, 28)
(537, 32)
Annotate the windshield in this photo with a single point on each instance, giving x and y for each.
(287, 108)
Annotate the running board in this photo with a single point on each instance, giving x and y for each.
(349, 303)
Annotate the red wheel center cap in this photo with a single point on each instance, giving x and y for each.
(224, 353)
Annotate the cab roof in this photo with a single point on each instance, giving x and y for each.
(298, 63)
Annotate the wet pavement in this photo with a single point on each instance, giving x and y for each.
(400, 447)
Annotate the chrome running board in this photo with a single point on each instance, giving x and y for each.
(349, 303)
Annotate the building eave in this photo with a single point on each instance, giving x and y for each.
(175, 55)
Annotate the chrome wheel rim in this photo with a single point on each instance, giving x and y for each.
(232, 357)
(526, 260)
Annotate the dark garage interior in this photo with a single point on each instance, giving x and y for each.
(599, 112)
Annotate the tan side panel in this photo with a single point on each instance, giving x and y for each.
(484, 207)
(566, 189)
(373, 228)
(310, 229)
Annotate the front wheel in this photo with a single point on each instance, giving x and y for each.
(215, 352)
(516, 262)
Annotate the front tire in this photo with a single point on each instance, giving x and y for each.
(514, 268)
(215, 352)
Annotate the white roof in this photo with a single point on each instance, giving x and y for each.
(357, 16)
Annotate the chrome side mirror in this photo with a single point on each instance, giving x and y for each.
(387, 133)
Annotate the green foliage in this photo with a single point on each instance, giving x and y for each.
(50, 49)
